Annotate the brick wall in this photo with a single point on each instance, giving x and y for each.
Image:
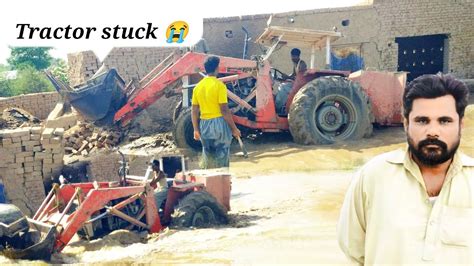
(28, 157)
(38, 104)
(372, 29)
(135, 62)
(81, 66)
(426, 17)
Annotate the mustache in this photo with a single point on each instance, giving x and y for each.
(437, 142)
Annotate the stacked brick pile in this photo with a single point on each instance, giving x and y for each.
(135, 62)
(104, 166)
(82, 66)
(84, 139)
(27, 157)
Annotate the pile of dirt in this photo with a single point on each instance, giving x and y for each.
(16, 117)
(84, 139)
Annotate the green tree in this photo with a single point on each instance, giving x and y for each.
(59, 69)
(30, 80)
(5, 88)
(37, 57)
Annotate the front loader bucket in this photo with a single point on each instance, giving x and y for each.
(98, 99)
(35, 244)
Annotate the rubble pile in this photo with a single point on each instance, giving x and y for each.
(17, 117)
(84, 139)
(159, 142)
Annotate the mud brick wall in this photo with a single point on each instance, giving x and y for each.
(28, 156)
(82, 66)
(373, 27)
(414, 18)
(38, 104)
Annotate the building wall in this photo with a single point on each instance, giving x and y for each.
(38, 104)
(372, 30)
(426, 17)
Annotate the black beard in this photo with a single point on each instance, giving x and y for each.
(430, 156)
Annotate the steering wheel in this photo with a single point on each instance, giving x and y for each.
(277, 74)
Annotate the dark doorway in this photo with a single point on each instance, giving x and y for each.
(421, 54)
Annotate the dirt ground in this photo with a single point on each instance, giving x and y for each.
(285, 205)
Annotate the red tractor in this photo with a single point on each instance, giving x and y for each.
(322, 107)
(197, 199)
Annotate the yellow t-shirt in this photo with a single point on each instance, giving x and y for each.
(209, 93)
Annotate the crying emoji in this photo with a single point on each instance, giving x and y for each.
(176, 32)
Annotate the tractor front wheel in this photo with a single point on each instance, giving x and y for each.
(330, 109)
(198, 209)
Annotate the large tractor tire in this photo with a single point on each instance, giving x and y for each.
(183, 132)
(330, 109)
(9, 215)
(198, 209)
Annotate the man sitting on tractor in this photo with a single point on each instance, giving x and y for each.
(299, 67)
(212, 119)
(159, 178)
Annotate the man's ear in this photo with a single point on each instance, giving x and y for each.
(405, 124)
(462, 123)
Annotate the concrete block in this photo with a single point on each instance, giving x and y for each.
(37, 148)
(36, 130)
(7, 141)
(20, 132)
(35, 137)
(55, 140)
(47, 133)
(24, 154)
(58, 132)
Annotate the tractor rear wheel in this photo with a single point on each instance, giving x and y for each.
(330, 109)
(183, 132)
(198, 209)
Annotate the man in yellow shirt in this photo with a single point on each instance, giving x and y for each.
(416, 205)
(212, 119)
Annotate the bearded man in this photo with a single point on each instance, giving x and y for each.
(416, 205)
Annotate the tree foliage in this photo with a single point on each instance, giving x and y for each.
(29, 80)
(37, 57)
(59, 69)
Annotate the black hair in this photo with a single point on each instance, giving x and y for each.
(295, 52)
(211, 64)
(434, 86)
(155, 163)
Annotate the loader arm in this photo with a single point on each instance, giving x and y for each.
(162, 83)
